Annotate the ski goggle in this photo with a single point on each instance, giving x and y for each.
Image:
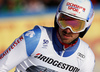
(76, 25)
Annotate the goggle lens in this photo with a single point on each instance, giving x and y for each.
(65, 21)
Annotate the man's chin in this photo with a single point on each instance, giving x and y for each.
(66, 41)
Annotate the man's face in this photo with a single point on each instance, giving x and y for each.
(67, 36)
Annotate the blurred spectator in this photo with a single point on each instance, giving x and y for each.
(50, 3)
(2, 5)
(94, 2)
(14, 5)
(11, 5)
(35, 6)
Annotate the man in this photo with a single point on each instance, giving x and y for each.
(58, 49)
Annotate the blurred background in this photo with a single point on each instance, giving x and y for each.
(18, 16)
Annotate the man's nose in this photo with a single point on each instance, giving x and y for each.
(68, 30)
